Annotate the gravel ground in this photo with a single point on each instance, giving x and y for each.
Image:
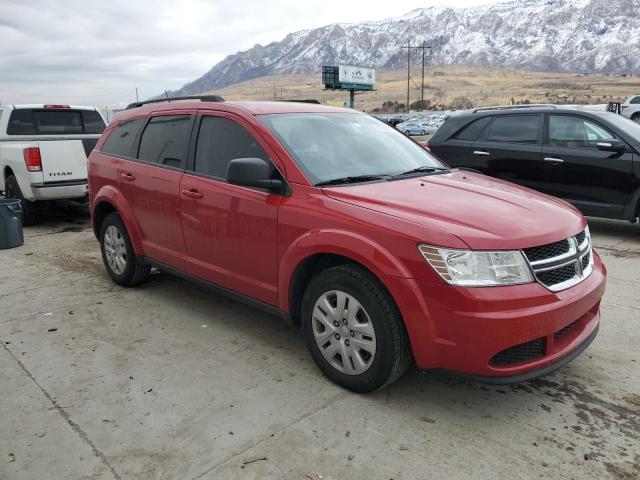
(169, 381)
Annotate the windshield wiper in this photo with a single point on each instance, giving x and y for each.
(423, 169)
(350, 179)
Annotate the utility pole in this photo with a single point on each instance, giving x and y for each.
(422, 47)
(137, 95)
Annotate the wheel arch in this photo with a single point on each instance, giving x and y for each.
(108, 200)
(318, 251)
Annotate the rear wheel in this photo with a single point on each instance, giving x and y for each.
(636, 117)
(423, 133)
(353, 329)
(29, 209)
(118, 255)
(407, 133)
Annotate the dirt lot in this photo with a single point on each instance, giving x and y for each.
(170, 381)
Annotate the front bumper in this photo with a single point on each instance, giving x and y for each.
(465, 329)
(60, 190)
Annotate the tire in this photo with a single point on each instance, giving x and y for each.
(382, 322)
(29, 209)
(636, 117)
(407, 133)
(115, 242)
(423, 133)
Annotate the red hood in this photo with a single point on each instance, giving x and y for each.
(483, 212)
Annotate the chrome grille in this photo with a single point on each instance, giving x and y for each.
(561, 265)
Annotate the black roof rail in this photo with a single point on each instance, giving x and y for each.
(310, 100)
(515, 107)
(202, 98)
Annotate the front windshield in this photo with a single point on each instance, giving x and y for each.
(329, 146)
(627, 126)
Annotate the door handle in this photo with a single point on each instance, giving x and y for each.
(553, 160)
(480, 153)
(127, 176)
(192, 193)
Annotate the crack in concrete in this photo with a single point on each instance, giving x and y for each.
(74, 426)
(254, 443)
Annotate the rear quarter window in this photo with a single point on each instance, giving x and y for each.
(473, 130)
(121, 140)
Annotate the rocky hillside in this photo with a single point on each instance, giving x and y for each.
(585, 36)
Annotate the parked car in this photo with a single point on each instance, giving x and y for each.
(631, 108)
(589, 158)
(412, 128)
(341, 224)
(43, 152)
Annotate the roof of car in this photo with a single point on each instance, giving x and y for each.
(49, 106)
(252, 107)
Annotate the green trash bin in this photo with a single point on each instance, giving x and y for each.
(11, 235)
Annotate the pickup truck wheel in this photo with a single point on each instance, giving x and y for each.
(353, 329)
(118, 255)
(29, 210)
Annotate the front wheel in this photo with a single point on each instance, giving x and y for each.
(353, 329)
(118, 255)
(423, 133)
(407, 133)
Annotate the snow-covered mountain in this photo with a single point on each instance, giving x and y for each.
(556, 35)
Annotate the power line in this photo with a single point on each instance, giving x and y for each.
(422, 47)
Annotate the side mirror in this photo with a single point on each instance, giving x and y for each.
(252, 172)
(611, 145)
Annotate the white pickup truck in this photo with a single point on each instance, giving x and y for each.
(43, 152)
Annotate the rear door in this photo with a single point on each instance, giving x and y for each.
(597, 182)
(510, 149)
(457, 150)
(151, 182)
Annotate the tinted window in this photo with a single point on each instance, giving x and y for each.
(120, 141)
(165, 140)
(635, 100)
(92, 121)
(54, 122)
(515, 128)
(570, 131)
(473, 130)
(221, 140)
(21, 123)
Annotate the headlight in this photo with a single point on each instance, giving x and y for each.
(470, 268)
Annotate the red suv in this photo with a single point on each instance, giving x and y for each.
(380, 252)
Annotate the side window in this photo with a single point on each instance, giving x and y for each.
(576, 132)
(635, 100)
(473, 130)
(221, 140)
(165, 140)
(515, 129)
(120, 141)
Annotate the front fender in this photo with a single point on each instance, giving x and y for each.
(110, 195)
(380, 261)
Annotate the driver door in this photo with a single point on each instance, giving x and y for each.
(230, 231)
(593, 180)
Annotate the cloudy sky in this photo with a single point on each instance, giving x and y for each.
(98, 52)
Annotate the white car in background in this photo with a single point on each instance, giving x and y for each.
(43, 152)
(631, 108)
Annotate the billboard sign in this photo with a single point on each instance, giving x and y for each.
(350, 74)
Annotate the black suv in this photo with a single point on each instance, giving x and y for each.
(588, 158)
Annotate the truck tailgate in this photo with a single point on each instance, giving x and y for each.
(63, 160)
